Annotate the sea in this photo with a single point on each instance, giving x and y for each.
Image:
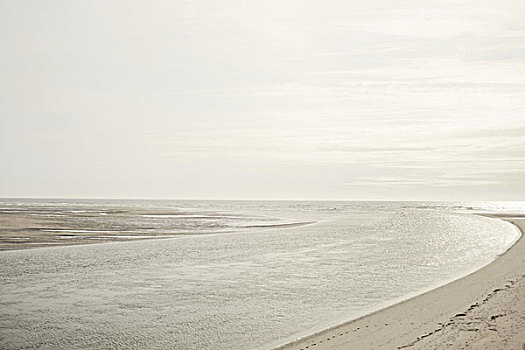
(230, 274)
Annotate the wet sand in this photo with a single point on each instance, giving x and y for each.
(24, 231)
(36, 226)
(484, 310)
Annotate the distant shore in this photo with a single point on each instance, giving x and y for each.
(22, 229)
(19, 230)
(483, 310)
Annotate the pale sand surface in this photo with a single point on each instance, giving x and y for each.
(18, 231)
(23, 231)
(484, 310)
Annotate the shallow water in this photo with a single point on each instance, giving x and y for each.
(250, 288)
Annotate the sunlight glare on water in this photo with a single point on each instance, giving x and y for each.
(249, 288)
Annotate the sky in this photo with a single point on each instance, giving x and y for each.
(274, 99)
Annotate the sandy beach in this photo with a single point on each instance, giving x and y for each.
(484, 310)
(20, 230)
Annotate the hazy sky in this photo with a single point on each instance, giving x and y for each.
(282, 99)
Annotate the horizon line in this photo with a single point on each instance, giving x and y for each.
(261, 200)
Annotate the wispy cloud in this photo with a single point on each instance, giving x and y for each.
(335, 100)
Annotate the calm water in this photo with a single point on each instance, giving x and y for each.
(246, 283)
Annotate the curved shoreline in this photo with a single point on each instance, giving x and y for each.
(440, 317)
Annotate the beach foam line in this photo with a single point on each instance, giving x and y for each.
(288, 224)
(133, 237)
(86, 231)
(194, 216)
